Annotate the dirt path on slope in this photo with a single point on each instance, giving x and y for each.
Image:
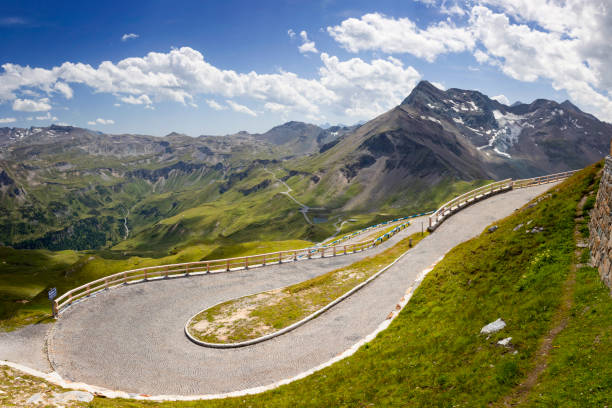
(519, 394)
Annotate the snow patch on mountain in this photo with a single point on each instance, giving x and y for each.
(510, 127)
(496, 150)
(431, 118)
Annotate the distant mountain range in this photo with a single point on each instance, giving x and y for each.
(65, 187)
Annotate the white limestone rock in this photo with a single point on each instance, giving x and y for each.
(35, 399)
(81, 396)
(493, 327)
(504, 342)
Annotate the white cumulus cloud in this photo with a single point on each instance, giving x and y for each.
(291, 33)
(215, 105)
(137, 100)
(30, 105)
(566, 43)
(377, 32)
(501, 99)
(7, 120)
(46, 117)
(307, 45)
(240, 108)
(101, 121)
(276, 107)
(129, 36)
(64, 89)
(367, 89)
(438, 85)
(352, 87)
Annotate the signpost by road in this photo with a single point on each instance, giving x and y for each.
(52, 294)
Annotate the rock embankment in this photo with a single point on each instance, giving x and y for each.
(600, 226)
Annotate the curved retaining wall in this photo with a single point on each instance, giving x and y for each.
(600, 226)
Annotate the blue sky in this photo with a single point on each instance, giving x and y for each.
(209, 67)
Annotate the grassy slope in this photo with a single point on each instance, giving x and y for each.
(577, 375)
(433, 355)
(16, 388)
(261, 215)
(580, 371)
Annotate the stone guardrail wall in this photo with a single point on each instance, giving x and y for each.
(600, 226)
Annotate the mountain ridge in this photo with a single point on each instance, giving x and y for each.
(435, 143)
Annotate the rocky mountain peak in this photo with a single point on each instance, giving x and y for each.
(60, 128)
(570, 106)
(425, 92)
(542, 104)
(175, 135)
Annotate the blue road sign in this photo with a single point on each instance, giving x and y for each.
(52, 293)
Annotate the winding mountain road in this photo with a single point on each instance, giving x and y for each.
(303, 207)
(131, 338)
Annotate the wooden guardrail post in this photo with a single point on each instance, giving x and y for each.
(280, 257)
(264, 261)
(207, 267)
(246, 262)
(345, 250)
(334, 252)
(54, 309)
(228, 265)
(295, 255)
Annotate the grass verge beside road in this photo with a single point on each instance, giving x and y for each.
(257, 315)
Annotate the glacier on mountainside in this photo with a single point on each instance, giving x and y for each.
(510, 127)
